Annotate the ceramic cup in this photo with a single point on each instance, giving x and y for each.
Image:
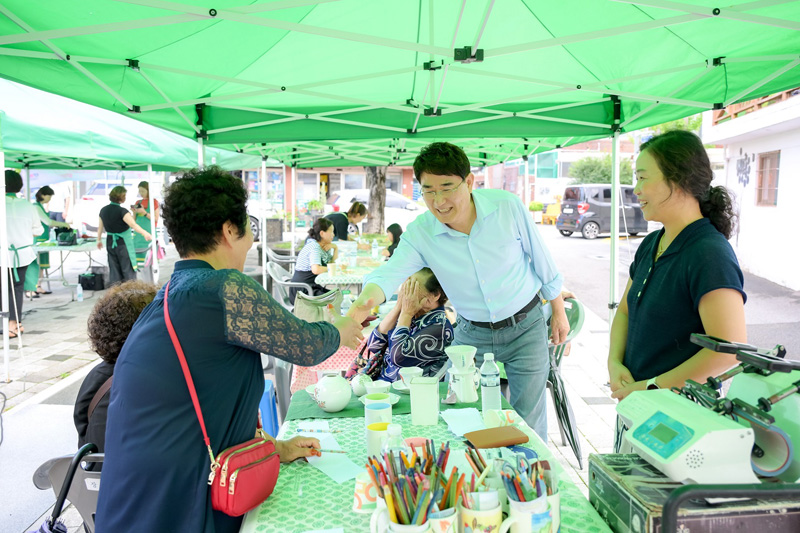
(377, 412)
(331, 269)
(462, 355)
(381, 397)
(359, 384)
(377, 387)
(376, 437)
(380, 523)
(444, 521)
(473, 520)
(409, 373)
(529, 517)
(366, 495)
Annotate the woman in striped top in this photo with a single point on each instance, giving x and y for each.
(313, 259)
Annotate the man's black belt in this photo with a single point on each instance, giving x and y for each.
(510, 321)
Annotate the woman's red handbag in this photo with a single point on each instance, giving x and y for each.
(242, 476)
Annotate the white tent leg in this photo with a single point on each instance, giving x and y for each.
(526, 197)
(294, 205)
(263, 220)
(153, 222)
(28, 183)
(201, 153)
(615, 208)
(4, 263)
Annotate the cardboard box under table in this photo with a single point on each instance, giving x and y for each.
(305, 499)
(629, 494)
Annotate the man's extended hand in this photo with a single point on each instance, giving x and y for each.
(559, 325)
(359, 313)
(349, 331)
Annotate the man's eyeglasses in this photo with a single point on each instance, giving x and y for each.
(444, 193)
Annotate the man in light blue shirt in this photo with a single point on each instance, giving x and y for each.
(490, 260)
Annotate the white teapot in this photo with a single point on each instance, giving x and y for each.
(332, 392)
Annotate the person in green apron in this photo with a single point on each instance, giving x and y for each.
(147, 220)
(22, 225)
(32, 288)
(118, 223)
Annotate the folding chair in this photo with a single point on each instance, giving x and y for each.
(282, 283)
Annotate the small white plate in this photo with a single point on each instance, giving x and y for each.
(393, 399)
(400, 387)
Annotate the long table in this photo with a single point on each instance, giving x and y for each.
(305, 499)
(87, 247)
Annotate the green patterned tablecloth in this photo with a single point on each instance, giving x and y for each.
(303, 406)
(306, 499)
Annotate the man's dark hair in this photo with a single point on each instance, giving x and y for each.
(441, 159)
(117, 194)
(113, 316)
(197, 205)
(320, 225)
(13, 181)
(44, 191)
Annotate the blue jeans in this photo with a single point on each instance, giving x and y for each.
(522, 348)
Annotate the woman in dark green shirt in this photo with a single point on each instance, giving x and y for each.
(345, 225)
(685, 278)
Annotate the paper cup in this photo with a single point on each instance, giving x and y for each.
(409, 373)
(473, 520)
(381, 397)
(444, 521)
(331, 269)
(377, 412)
(376, 437)
(366, 495)
(522, 516)
(377, 387)
(424, 401)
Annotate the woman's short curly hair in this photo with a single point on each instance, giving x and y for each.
(198, 204)
(114, 314)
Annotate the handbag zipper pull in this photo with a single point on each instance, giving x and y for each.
(214, 465)
(233, 480)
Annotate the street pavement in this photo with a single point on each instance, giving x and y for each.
(46, 374)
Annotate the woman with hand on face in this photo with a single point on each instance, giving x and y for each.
(156, 468)
(684, 279)
(313, 259)
(416, 331)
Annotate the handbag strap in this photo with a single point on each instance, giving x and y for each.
(188, 376)
(99, 396)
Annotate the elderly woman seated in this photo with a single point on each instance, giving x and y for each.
(109, 324)
(416, 331)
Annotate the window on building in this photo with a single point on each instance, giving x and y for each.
(394, 182)
(767, 188)
(354, 181)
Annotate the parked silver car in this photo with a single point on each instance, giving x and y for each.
(587, 209)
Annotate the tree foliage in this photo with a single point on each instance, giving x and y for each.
(598, 170)
(691, 123)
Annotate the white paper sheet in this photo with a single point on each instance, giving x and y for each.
(337, 466)
(461, 421)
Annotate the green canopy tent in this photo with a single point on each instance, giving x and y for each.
(39, 130)
(364, 82)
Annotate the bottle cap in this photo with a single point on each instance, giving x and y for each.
(489, 356)
(394, 429)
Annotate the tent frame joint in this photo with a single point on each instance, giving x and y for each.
(717, 61)
(464, 55)
(133, 64)
(433, 65)
(718, 106)
(135, 109)
(430, 112)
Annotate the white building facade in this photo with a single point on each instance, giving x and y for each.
(762, 161)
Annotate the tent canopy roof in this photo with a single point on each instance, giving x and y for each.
(42, 130)
(321, 82)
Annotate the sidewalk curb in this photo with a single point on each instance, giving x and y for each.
(54, 389)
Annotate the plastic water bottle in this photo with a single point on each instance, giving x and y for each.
(52, 234)
(395, 444)
(79, 293)
(490, 384)
(345, 301)
(375, 252)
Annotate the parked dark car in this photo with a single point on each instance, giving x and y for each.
(587, 209)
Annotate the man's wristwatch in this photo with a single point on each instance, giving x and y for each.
(651, 384)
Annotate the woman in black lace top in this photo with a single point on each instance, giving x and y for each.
(156, 465)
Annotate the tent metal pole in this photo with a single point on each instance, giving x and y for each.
(294, 204)
(263, 219)
(153, 221)
(201, 153)
(4, 263)
(526, 197)
(27, 182)
(615, 209)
